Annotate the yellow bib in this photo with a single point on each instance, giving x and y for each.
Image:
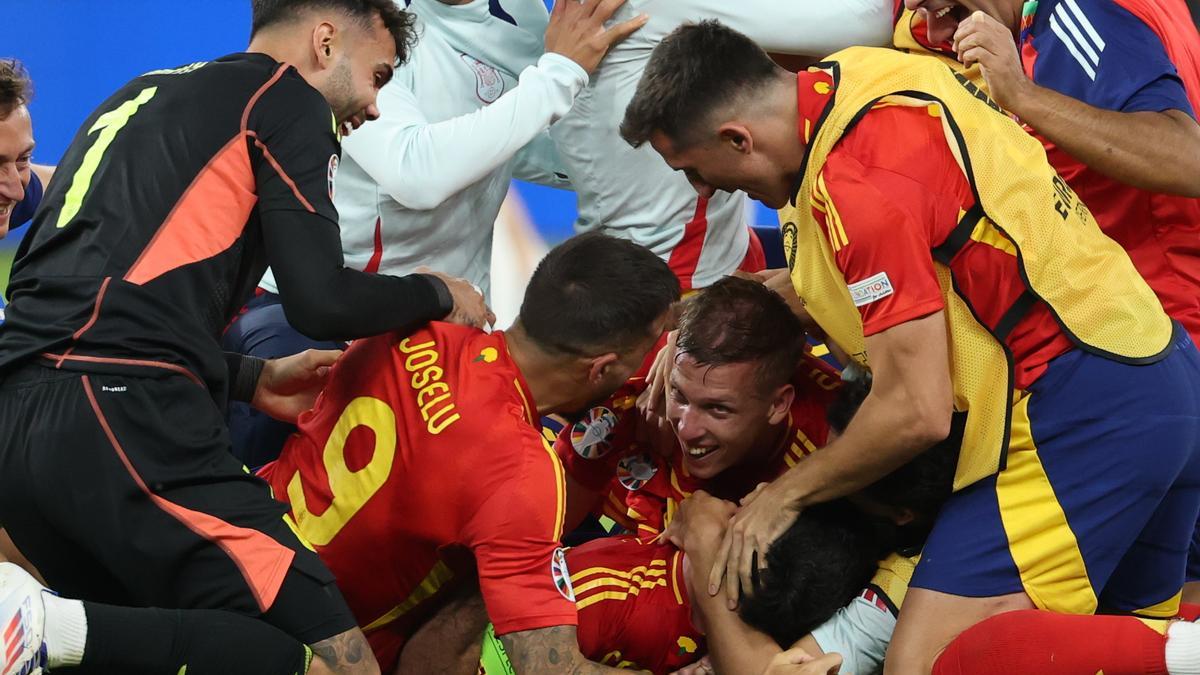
(1085, 278)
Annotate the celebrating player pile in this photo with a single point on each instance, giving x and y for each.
(991, 226)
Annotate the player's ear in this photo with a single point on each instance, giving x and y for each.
(781, 403)
(902, 515)
(598, 366)
(736, 136)
(323, 39)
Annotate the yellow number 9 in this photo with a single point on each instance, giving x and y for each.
(350, 489)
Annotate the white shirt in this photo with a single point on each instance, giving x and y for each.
(632, 193)
(861, 633)
(422, 185)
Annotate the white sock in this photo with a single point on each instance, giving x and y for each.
(1183, 648)
(66, 631)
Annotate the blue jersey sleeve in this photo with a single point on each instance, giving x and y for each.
(25, 208)
(1098, 52)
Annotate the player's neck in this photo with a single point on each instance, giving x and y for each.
(782, 120)
(550, 381)
(283, 48)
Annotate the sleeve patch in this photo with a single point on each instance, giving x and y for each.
(875, 287)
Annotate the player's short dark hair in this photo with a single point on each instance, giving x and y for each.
(267, 13)
(924, 483)
(593, 293)
(15, 86)
(739, 321)
(814, 569)
(694, 71)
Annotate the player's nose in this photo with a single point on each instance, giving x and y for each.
(371, 112)
(687, 426)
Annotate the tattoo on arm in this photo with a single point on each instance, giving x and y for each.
(549, 651)
(346, 653)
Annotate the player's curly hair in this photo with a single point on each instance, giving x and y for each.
(921, 485)
(16, 89)
(399, 23)
(693, 72)
(741, 321)
(595, 293)
(814, 569)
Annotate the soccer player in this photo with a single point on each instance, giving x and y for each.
(165, 210)
(748, 403)
(909, 497)
(635, 598)
(956, 265)
(21, 181)
(1111, 88)
(627, 192)
(425, 453)
(812, 573)
(423, 184)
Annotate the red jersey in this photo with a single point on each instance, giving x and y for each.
(634, 610)
(641, 488)
(890, 192)
(422, 449)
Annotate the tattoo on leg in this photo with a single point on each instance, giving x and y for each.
(346, 653)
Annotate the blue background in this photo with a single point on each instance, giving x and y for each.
(80, 51)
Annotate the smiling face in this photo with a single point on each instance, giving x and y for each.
(943, 16)
(363, 66)
(16, 150)
(721, 415)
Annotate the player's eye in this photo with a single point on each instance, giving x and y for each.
(24, 160)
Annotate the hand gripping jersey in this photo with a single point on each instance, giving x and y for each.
(424, 452)
(634, 610)
(641, 489)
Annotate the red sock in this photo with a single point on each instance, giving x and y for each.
(1188, 611)
(1034, 641)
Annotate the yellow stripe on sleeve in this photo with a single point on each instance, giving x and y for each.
(436, 578)
(560, 490)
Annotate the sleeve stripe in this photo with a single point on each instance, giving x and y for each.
(655, 568)
(258, 94)
(279, 170)
(677, 580)
(1087, 67)
(560, 489)
(1087, 25)
(1082, 43)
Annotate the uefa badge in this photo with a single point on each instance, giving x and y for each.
(635, 470)
(331, 173)
(489, 85)
(589, 436)
(561, 575)
(790, 242)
